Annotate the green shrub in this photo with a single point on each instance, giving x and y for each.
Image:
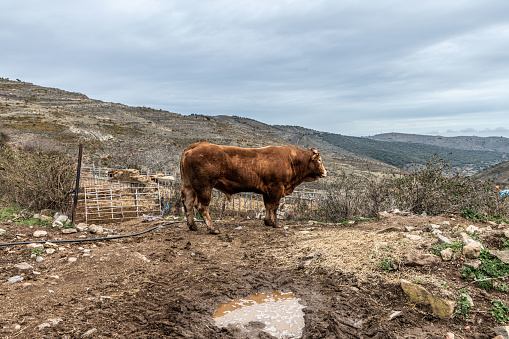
(500, 311)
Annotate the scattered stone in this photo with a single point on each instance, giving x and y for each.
(23, 266)
(444, 240)
(449, 335)
(82, 227)
(72, 259)
(39, 234)
(43, 326)
(394, 315)
(62, 218)
(441, 307)
(14, 279)
(50, 250)
(447, 254)
(420, 259)
(502, 331)
(466, 238)
(437, 232)
(473, 229)
(2, 231)
(49, 244)
(502, 255)
(506, 233)
(409, 228)
(33, 246)
(475, 263)
(89, 333)
(472, 250)
(238, 228)
(95, 229)
(431, 227)
(384, 214)
(11, 328)
(39, 259)
(57, 223)
(69, 230)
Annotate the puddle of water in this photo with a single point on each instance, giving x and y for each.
(281, 314)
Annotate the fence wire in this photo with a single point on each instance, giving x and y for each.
(104, 199)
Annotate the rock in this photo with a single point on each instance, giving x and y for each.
(39, 234)
(437, 232)
(89, 333)
(447, 254)
(409, 228)
(420, 259)
(473, 229)
(69, 230)
(394, 315)
(39, 259)
(502, 255)
(72, 259)
(95, 229)
(502, 331)
(441, 307)
(500, 337)
(23, 266)
(383, 214)
(62, 218)
(466, 238)
(82, 227)
(431, 227)
(449, 335)
(2, 231)
(475, 263)
(506, 233)
(472, 250)
(57, 223)
(14, 279)
(443, 240)
(238, 228)
(50, 250)
(33, 246)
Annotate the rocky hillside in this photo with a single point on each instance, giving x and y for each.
(498, 173)
(118, 135)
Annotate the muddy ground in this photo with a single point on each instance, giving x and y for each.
(168, 282)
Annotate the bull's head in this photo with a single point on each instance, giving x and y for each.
(316, 169)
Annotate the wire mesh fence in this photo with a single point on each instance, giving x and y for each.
(102, 198)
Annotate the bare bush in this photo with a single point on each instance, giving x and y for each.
(36, 179)
(433, 189)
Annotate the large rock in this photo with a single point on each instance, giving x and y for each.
(502, 255)
(441, 307)
(420, 259)
(472, 250)
(502, 331)
(39, 234)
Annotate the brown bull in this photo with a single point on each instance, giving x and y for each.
(272, 171)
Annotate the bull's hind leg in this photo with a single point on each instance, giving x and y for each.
(271, 206)
(188, 196)
(204, 198)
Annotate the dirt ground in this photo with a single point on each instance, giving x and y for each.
(168, 282)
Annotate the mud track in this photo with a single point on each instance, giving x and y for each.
(167, 284)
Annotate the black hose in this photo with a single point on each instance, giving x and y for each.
(92, 239)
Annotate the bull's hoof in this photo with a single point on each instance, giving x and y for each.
(214, 231)
(193, 227)
(269, 223)
(277, 226)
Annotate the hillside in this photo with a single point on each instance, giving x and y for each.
(467, 143)
(118, 135)
(498, 173)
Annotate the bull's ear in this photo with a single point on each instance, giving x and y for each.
(315, 153)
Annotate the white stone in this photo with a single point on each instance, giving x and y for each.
(39, 234)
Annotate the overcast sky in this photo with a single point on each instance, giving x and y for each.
(355, 68)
